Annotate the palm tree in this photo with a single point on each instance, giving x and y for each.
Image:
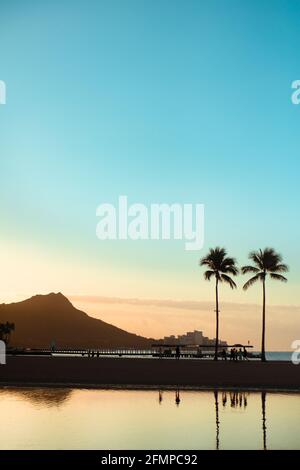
(220, 265)
(266, 262)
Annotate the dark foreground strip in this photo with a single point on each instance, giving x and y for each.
(135, 459)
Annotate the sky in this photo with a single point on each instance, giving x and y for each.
(181, 101)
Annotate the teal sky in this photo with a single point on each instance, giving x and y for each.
(182, 101)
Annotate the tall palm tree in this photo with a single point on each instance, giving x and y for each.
(265, 262)
(220, 266)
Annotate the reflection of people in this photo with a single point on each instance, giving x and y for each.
(177, 397)
(236, 399)
(177, 352)
(160, 396)
(240, 399)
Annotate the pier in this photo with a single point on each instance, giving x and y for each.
(157, 350)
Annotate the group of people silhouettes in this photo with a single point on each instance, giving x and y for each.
(235, 354)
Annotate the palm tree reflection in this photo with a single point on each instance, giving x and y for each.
(216, 394)
(264, 422)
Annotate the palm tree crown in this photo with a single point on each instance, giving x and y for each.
(220, 265)
(266, 262)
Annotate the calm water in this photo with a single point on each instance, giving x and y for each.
(279, 356)
(48, 418)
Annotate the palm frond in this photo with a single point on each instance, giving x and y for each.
(278, 277)
(252, 281)
(228, 280)
(208, 274)
(280, 268)
(256, 257)
(231, 270)
(249, 269)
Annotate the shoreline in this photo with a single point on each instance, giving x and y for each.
(135, 373)
(126, 387)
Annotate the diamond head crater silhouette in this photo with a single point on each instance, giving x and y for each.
(42, 319)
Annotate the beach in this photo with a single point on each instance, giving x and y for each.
(143, 373)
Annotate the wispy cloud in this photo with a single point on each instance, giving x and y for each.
(169, 303)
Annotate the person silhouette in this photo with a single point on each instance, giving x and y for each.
(232, 354)
(224, 355)
(235, 354)
(240, 354)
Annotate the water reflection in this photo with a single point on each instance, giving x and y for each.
(216, 394)
(177, 396)
(237, 400)
(147, 419)
(57, 397)
(41, 396)
(264, 421)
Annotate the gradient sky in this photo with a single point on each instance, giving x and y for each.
(182, 101)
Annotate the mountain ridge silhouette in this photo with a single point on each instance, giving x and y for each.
(41, 319)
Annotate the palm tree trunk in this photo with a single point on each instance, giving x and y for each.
(263, 353)
(217, 322)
